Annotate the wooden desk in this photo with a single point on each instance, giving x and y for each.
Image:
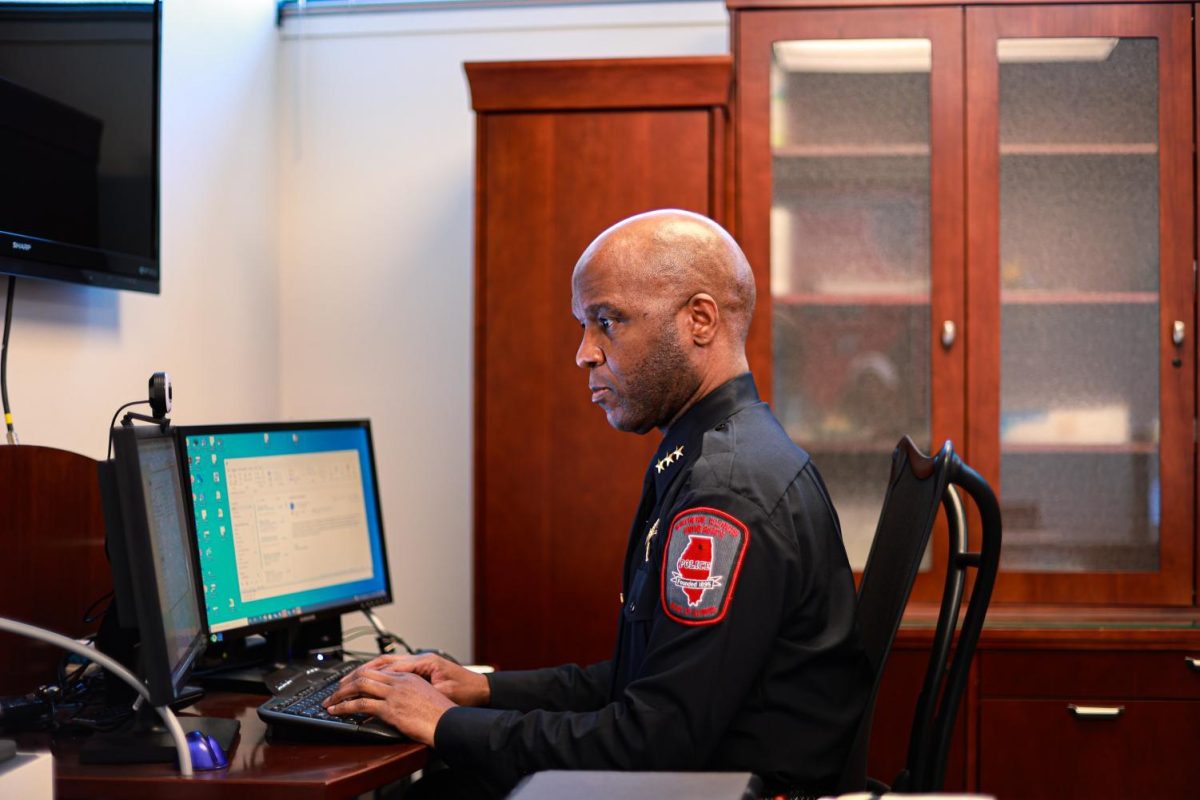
(258, 769)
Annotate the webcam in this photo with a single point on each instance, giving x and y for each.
(160, 394)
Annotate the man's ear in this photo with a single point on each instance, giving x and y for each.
(703, 318)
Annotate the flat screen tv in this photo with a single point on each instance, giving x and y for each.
(79, 87)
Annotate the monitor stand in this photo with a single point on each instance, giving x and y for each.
(144, 740)
(238, 666)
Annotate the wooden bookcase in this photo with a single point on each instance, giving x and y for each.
(1045, 185)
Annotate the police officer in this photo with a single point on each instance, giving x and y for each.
(737, 648)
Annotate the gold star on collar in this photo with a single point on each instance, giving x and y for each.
(669, 459)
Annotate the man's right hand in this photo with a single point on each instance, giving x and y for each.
(461, 685)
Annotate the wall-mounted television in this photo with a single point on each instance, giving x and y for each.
(79, 88)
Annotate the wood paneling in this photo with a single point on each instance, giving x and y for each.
(556, 488)
(54, 567)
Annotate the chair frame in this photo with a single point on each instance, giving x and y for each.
(945, 678)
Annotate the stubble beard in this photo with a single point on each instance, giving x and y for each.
(658, 387)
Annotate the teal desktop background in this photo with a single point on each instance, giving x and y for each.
(217, 555)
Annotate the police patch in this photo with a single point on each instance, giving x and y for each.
(700, 568)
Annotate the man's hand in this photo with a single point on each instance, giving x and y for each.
(404, 700)
(464, 687)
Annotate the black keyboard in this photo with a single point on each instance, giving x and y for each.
(298, 705)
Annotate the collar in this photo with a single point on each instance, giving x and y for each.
(681, 444)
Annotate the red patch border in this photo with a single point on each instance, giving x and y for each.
(733, 575)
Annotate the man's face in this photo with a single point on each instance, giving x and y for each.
(638, 371)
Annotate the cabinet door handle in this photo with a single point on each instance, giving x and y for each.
(1193, 662)
(1096, 712)
(1177, 332)
(949, 333)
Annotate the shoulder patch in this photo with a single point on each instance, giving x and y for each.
(701, 563)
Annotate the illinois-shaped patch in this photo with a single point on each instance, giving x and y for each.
(700, 568)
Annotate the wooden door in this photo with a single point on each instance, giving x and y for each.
(564, 150)
(850, 208)
(1080, 210)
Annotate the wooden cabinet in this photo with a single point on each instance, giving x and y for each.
(565, 149)
(976, 223)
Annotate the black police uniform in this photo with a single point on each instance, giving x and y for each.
(737, 648)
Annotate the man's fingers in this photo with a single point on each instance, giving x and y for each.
(357, 705)
(365, 682)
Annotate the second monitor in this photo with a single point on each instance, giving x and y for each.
(288, 524)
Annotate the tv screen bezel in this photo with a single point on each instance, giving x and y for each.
(26, 256)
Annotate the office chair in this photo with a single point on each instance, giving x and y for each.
(918, 484)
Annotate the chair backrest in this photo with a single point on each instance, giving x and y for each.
(945, 679)
(918, 484)
(915, 487)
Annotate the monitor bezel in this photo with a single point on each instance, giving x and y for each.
(164, 680)
(313, 615)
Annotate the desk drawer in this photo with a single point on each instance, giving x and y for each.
(1039, 748)
(1089, 673)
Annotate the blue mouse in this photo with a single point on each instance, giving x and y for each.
(207, 753)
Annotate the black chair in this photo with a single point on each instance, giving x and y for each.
(917, 486)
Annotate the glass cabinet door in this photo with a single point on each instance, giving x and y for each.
(1080, 265)
(861, 137)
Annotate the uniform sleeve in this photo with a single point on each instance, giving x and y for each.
(695, 677)
(566, 688)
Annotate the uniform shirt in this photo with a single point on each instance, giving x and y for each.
(737, 648)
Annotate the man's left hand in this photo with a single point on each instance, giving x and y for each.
(405, 701)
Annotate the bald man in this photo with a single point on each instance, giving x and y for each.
(737, 648)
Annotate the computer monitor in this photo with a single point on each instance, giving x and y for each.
(287, 522)
(154, 578)
(159, 622)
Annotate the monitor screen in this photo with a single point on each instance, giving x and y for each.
(287, 522)
(79, 83)
(170, 547)
(150, 545)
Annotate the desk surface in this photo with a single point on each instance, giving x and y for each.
(258, 768)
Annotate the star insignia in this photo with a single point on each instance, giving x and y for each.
(669, 459)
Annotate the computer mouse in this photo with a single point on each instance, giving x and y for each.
(207, 753)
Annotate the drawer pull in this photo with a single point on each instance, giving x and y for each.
(1096, 712)
(1193, 662)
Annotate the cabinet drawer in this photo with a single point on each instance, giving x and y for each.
(1039, 748)
(1090, 674)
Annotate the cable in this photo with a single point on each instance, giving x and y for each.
(8, 315)
(113, 666)
(116, 413)
(384, 636)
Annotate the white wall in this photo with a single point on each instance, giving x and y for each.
(376, 181)
(77, 353)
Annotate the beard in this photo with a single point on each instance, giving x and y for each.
(656, 388)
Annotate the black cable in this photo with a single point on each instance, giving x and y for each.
(89, 616)
(116, 413)
(8, 315)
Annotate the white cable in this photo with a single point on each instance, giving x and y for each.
(116, 668)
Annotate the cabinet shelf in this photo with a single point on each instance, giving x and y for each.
(852, 299)
(1018, 297)
(902, 149)
(1066, 448)
(1079, 149)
